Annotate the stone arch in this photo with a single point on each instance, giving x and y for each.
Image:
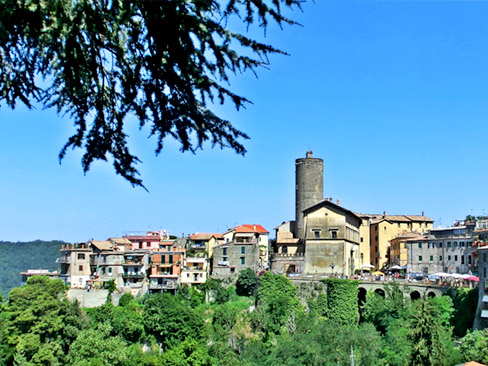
(380, 291)
(431, 294)
(415, 295)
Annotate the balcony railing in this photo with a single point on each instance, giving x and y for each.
(169, 285)
(138, 276)
(133, 263)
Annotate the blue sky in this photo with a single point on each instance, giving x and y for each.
(393, 95)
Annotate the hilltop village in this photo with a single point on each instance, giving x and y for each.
(324, 239)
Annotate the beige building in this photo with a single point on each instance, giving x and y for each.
(365, 241)
(74, 262)
(203, 244)
(331, 239)
(399, 248)
(384, 228)
(194, 271)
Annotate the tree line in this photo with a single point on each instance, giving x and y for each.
(261, 320)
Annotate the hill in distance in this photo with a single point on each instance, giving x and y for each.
(21, 256)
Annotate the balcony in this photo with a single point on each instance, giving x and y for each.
(137, 276)
(133, 263)
(63, 259)
(223, 263)
(167, 285)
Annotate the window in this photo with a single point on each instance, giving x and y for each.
(243, 250)
(81, 255)
(80, 268)
(440, 257)
(224, 251)
(103, 270)
(362, 239)
(448, 244)
(170, 259)
(462, 259)
(454, 244)
(461, 243)
(420, 245)
(109, 269)
(448, 257)
(420, 258)
(225, 259)
(440, 245)
(243, 260)
(431, 258)
(455, 258)
(484, 257)
(316, 234)
(469, 259)
(334, 234)
(232, 270)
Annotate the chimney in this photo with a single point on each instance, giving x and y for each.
(422, 213)
(309, 155)
(384, 213)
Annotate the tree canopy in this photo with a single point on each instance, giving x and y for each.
(99, 62)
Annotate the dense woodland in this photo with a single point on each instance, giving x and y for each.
(20, 256)
(259, 321)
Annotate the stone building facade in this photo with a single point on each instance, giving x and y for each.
(448, 250)
(331, 239)
(242, 248)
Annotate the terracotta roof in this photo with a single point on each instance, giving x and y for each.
(327, 202)
(143, 237)
(409, 235)
(205, 236)
(120, 241)
(102, 244)
(250, 228)
(402, 218)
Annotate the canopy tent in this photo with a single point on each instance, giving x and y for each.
(378, 273)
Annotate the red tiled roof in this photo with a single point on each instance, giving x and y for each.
(143, 237)
(205, 236)
(250, 228)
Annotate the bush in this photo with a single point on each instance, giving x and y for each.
(247, 283)
(342, 301)
(125, 299)
(474, 346)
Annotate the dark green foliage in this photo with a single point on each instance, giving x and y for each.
(38, 324)
(165, 62)
(215, 292)
(277, 303)
(21, 256)
(474, 346)
(382, 311)
(247, 283)
(428, 335)
(188, 353)
(191, 295)
(318, 343)
(126, 299)
(342, 301)
(170, 320)
(318, 305)
(465, 301)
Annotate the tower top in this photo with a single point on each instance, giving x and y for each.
(309, 154)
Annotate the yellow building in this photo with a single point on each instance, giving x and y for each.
(364, 241)
(384, 228)
(331, 239)
(398, 248)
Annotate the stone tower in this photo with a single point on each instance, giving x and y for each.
(309, 187)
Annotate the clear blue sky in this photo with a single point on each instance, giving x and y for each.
(392, 94)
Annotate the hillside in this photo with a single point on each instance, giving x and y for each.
(20, 256)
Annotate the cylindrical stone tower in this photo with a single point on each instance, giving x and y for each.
(309, 187)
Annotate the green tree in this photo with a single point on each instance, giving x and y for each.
(342, 301)
(474, 346)
(247, 283)
(188, 353)
(428, 335)
(38, 324)
(277, 303)
(215, 291)
(165, 62)
(382, 311)
(97, 347)
(170, 320)
(465, 301)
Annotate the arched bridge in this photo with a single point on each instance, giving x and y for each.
(413, 290)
